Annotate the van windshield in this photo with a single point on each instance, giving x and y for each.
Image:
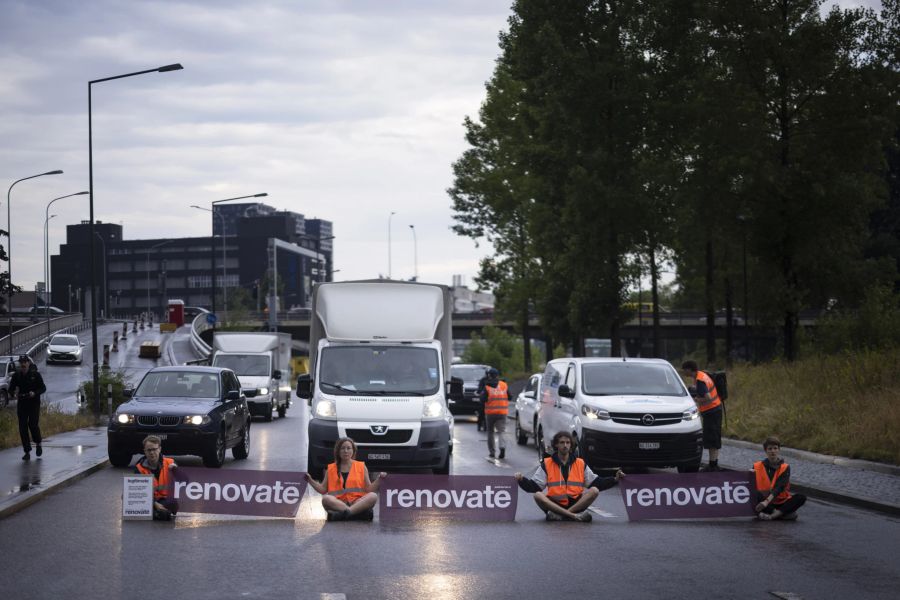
(248, 365)
(631, 379)
(379, 370)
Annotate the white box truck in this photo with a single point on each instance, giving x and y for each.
(262, 362)
(379, 374)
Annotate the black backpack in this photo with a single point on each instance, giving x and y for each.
(720, 380)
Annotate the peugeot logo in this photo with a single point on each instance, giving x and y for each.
(648, 419)
(378, 429)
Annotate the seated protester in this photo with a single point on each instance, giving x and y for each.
(347, 492)
(154, 463)
(773, 485)
(566, 478)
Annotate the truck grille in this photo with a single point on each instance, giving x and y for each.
(654, 420)
(393, 436)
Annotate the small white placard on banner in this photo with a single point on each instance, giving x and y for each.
(137, 498)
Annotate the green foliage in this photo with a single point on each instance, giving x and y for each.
(53, 420)
(119, 382)
(502, 350)
(875, 325)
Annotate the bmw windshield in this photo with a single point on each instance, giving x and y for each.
(379, 370)
(179, 384)
(631, 379)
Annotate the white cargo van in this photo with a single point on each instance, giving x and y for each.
(262, 362)
(623, 412)
(379, 356)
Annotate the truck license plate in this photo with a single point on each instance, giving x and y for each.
(648, 445)
(379, 457)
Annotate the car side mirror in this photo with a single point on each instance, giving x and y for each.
(276, 374)
(128, 392)
(233, 395)
(82, 344)
(530, 394)
(455, 389)
(566, 392)
(304, 386)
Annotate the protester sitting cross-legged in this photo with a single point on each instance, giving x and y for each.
(347, 492)
(154, 463)
(565, 477)
(773, 485)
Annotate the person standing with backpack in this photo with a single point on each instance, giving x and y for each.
(710, 405)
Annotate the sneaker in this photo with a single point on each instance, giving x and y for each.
(490, 455)
(39, 450)
(162, 514)
(552, 516)
(502, 452)
(710, 469)
(789, 517)
(764, 516)
(337, 516)
(585, 517)
(27, 456)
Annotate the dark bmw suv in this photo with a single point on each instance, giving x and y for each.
(471, 375)
(195, 410)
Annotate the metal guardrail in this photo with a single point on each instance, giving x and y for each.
(38, 332)
(199, 325)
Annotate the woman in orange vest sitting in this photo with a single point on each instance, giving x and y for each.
(347, 492)
(154, 463)
(773, 485)
(566, 478)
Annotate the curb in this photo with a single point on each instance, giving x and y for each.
(822, 493)
(13, 506)
(825, 459)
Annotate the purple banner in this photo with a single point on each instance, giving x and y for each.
(238, 491)
(458, 497)
(688, 496)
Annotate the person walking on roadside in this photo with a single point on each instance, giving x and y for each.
(710, 406)
(27, 385)
(154, 463)
(565, 477)
(773, 485)
(347, 492)
(495, 399)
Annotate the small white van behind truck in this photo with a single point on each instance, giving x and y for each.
(262, 362)
(379, 371)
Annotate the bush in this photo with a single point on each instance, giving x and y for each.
(875, 325)
(501, 350)
(119, 383)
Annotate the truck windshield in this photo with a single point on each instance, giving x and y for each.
(401, 370)
(249, 365)
(631, 379)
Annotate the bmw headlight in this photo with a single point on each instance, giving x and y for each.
(433, 409)
(125, 419)
(196, 420)
(690, 414)
(325, 408)
(594, 413)
(263, 391)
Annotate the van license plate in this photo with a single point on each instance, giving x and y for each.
(379, 457)
(648, 445)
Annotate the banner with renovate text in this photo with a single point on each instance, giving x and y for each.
(458, 497)
(689, 495)
(238, 491)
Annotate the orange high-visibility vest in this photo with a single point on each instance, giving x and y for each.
(356, 482)
(497, 399)
(160, 484)
(562, 490)
(764, 485)
(713, 393)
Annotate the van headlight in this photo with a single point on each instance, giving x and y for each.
(263, 391)
(325, 408)
(433, 409)
(125, 419)
(594, 413)
(690, 414)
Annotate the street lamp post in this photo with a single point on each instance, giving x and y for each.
(9, 250)
(47, 253)
(96, 367)
(147, 252)
(105, 289)
(46, 279)
(389, 242)
(415, 253)
(213, 252)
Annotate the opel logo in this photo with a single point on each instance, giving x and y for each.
(647, 419)
(378, 429)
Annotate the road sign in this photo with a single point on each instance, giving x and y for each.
(211, 318)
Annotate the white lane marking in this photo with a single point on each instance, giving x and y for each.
(602, 513)
(333, 596)
(786, 595)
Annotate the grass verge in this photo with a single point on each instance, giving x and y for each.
(52, 421)
(845, 405)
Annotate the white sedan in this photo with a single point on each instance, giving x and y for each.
(527, 407)
(64, 348)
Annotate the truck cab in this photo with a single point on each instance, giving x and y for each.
(262, 363)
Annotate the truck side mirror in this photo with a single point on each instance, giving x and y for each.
(455, 389)
(565, 391)
(304, 386)
(276, 374)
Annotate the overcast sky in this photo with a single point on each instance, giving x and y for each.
(340, 110)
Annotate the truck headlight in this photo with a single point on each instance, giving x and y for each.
(263, 391)
(594, 413)
(433, 408)
(196, 420)
(690, 414)
(125, 419)
(325, 408)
